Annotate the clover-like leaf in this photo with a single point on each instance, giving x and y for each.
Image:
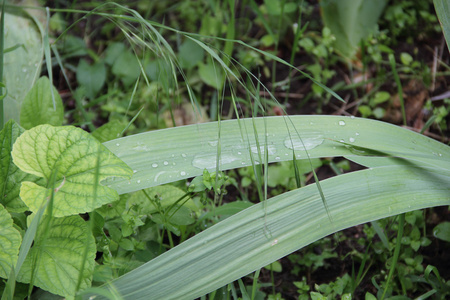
(71, 154)
(57, 256)
(10, 240)
(10, 175)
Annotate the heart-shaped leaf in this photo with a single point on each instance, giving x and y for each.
(57, 256)
(74, 157)
(91, 77)
(38, 107)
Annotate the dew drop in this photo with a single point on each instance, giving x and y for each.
(117, 144)
(239, 152)
(208, 161)
(155, 165)
(213, 143)
(166, 163)
(277, 158)
(24, 69)
(159, 174)
(139, 181)
(182, 173)
(141, 147)
(270, 149)
(352, 117)
(307, 142)
(357, 133)
(342, 123)
(183, 155)
(134, 171)
(351, 140)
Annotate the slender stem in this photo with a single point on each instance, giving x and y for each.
(399, 86)
(2, 46)
(398, 245)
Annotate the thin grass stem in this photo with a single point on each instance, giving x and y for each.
(398, 245)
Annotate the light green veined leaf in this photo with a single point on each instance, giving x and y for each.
(58, 254)
(10, 240)
(10, 175)
(72, 153)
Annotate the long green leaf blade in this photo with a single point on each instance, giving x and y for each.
(163, 156)
(239, 245)
(443, 12)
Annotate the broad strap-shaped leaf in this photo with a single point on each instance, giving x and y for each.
(10, 175)
(72, 153)
(23, 64)
(10, 240)
(167, 155)
(442, 8)
(38, 107)
(265, 232)
(57, 256)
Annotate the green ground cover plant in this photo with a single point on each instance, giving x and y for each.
(152, 162)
